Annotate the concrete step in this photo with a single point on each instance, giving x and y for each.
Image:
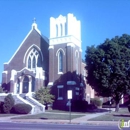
(22, 98)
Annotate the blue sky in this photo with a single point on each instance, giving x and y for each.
(100, 19)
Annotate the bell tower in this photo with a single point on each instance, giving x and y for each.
(65, 29)
(65, 38)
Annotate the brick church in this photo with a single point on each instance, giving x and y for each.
(53, 62)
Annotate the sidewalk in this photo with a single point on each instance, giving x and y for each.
(80, 120)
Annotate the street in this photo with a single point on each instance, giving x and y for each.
(43, 126)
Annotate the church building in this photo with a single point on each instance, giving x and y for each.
(54, 62)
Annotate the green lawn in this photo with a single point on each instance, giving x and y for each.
(6, 115)
(61, 111)
(114, 116)
(65, 115)
(49, 114)
(46, 116)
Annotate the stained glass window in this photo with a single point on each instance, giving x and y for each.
(60, 58)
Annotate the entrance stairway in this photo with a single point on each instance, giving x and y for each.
(38, 106)
(24, 98)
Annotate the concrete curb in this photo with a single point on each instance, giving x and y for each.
(106, 123)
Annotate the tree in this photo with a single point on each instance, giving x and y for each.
(44, 96)
(108, 68)
(1, 90)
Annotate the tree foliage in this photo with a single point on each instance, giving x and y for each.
(108, 67)
(1, 90)
(44, 96)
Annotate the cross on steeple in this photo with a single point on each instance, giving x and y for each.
(34, 26)
(34, 20)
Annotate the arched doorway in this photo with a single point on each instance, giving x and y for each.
(25, 84)
(18, 86)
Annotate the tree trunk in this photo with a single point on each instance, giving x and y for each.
(117, 106)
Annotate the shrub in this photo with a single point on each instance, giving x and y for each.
(108, 105)
(91, 107)
(96, 101)
(79, 105)
(1, 90)
(8, 103)
(21, 108)
(1, 106)
(44, 96)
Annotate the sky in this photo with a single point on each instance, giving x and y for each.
(100, 19)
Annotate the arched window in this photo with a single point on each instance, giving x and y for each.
(29, 63)
(34, 62)
(65, 29)
(60, 61)
(34, 59)
(39, 62)
(56, 30)
(61, 29)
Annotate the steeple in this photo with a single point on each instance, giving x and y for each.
(34, 26)
(34, 20)
(65, 29)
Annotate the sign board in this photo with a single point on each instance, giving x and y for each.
(69, 93)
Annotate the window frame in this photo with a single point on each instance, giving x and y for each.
(60, 87)
(60, 62)
(33, 56)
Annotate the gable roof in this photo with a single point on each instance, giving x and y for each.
(34, 27)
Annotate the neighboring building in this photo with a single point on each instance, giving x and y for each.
(55, 62)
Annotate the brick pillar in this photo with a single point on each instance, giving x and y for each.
(37, 84)
(11, 86)
(21, 85)
(69, 61)
(51, 65)
(30, 84)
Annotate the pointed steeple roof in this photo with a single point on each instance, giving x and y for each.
(34, 26)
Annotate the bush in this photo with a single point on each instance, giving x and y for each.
(79, 105)
(91, 107)
(96, 101)
(21, 108)
(1, 90)
(1, 107)
(8, 103)
(108, 105)
(44, 96)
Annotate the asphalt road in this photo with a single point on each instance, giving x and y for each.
(39, 126)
